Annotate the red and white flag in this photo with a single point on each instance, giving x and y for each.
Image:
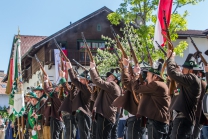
(164, 5)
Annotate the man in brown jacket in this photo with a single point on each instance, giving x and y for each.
(68, 115)
(185, 104)
(106, 112)
(56, 122)
(154, 102)
(135, 123)
(200, 118)
(82, 101)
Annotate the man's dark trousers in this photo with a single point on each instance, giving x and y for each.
(157, 130)
(70, 126)
(84, 125)
(114, 130)
(56, 128)
(182, 128)
(134, 128)
(104, 127)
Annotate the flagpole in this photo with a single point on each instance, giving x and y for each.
(20, 90)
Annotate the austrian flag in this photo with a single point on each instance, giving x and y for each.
(165, 6)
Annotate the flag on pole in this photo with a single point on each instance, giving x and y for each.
(164, 5)
(16, 99)
(9, 82)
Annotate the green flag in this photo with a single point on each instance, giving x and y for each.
(16, 99)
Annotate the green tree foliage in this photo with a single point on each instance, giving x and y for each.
(139, 17)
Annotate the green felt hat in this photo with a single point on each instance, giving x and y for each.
(190, 62)
(156, 69)
(114, 74)
(28, 94)
(85, 75)
(33, 95)
(38, 88)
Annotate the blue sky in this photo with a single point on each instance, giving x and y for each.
(45, 17)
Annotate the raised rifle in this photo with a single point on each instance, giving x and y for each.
(61, 51)
(149, 57)
(118, 43)
(172, 85)
(41, 67)
(88, 50)
(61, 93)
(80, 65)
(135, 59)
(136, 98)
(39, 108)
(119, 46)
(201, 56)
(159, 46)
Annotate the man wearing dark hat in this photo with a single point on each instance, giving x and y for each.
(105, 111)
(188, 92)
(68, 115)
(204, 133)
(135, 123)
(154, 103)
(114, 134)
(40, 114)
(82, 101)
(200, 118)
(56, 122)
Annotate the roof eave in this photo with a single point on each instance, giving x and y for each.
(66, 29)
(192, 35)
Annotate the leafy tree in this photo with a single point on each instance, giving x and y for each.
(139, 17)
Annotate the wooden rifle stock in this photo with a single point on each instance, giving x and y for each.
(201, 56)
(136, 98)
(61, 51)
(135, 59)
(149, 57)
(80, 65)
(118, 43)
(121, 48)
(41, 67)
(172, 85)
(88, 50)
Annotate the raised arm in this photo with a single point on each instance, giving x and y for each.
(144, 89)
(179, 77)
(99, 82)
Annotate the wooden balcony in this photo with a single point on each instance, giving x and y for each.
(27, 74)
(80, 56)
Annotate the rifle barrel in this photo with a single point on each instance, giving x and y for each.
(159, 46)
(79, 65)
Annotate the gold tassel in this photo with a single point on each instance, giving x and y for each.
(14, 135)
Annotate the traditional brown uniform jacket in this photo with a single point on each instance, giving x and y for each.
(155, 100)
(55, 102)
(40, 113)
(126, 100)
(67, 103)
(199, 113)
(104, 102)
(47, 111)
(82, 101)
(190, 90)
